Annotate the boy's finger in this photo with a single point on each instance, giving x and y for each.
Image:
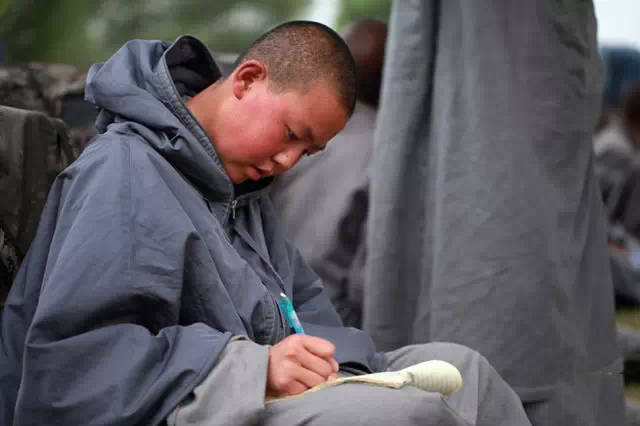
(294, 388)
(308, 377)
(318, 346)
(320, 366)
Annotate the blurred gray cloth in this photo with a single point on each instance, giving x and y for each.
(616, 167)
(322, 203)
(629, 341)
(633, 412)
(613, 140)
(625, 278)
(486, 225)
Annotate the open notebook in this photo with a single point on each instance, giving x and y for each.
(431, 376)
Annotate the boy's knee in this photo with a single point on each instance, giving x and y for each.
(376, 405)
(361, 404)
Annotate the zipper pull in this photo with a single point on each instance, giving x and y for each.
(234, 203)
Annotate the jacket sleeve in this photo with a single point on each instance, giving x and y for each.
(104, 346)
(241, 369)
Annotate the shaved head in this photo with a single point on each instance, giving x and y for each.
(299, 54)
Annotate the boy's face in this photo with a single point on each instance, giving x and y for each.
(264, 133)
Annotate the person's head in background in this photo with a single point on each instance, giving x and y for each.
(622, 69)
(631, 115)
(290, 93)
(366, 40)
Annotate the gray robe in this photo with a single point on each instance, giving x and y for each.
(486, 225)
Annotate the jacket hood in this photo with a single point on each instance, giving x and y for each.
(140, 90)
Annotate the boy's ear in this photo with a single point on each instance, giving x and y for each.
(246, 75)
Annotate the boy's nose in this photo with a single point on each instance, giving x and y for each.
(288, 158)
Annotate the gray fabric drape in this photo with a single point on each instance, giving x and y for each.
(486, 226)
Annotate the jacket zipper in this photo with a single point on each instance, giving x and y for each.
(234, 203)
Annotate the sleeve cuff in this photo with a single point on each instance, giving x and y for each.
(232, 393)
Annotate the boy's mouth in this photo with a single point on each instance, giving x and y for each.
(254, 173)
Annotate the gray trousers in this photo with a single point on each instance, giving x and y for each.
(485, 399)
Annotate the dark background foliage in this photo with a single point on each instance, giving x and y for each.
(82, 32)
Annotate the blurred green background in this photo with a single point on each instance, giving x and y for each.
(82, 32)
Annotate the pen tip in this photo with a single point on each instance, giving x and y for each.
(283, 295)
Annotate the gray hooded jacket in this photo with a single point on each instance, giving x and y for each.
(147, 260)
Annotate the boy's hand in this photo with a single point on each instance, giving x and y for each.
(298, 363)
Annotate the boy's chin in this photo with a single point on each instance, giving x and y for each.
(236, 176)
(237, 181)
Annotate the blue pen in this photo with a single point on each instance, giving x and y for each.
(290, 313)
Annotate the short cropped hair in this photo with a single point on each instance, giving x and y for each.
(298, 54)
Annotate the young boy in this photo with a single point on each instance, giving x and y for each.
(150, 293)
